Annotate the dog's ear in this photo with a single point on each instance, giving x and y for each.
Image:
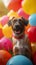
(25, 21)
(10, 21)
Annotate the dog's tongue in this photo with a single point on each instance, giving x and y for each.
(18, 32)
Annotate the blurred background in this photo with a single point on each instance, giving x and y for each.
(3, 10)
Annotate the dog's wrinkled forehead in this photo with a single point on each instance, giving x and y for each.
(19, 20)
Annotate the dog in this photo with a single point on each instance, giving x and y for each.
(21, 43)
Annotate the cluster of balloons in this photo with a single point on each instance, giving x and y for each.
(17, 8)
(6, 46)
(32, 35)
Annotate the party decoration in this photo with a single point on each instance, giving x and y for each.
(1, 33)
(7, 31)
(12, 5)
(1, 25)
(32, 33)
(27, 27)
(19, 60)
(6, 44)
(32, 20)
(33, 45)
(29, 6)
(16, 6)
(12, 14)
(18, 0)
(21, 13)
(4, 57)
(4, 20)
(34, 58)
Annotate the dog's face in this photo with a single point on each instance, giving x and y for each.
(18, 25)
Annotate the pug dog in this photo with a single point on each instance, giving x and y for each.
(21, 43)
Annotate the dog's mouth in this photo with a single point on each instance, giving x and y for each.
(18, 31)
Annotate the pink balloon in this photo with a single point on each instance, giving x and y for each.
(6, 44)
(22, 13)
(4, 20)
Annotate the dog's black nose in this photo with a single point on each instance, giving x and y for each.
(17, 27)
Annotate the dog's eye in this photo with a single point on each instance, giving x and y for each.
(14, 20)
(19, 20)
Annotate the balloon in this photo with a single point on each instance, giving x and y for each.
(4, 19)
(22, 61)
(29, 6)
(34, 58)
(6, 44)
(12, 14)
(7, 31)
(32, 20)
(32, 33)
(17, 0)
(1, 33)
(14, 5)
(22, 13)
(1, 25)
(4, 57)
(33, 45)
(27, 27)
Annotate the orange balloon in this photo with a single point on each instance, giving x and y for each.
(4, 57)
(33, 45)
(1, 25)
(14, 5)
(27, 28)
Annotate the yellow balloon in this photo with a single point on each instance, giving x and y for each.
(7, 31)
(29, 6)
(12, 14)
(33, 45)
(1, 25)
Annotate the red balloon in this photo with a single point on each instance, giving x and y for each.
(32, 34)
(22, 13)
(4, 57)
(17, 0)
(1, 33)
(14, 5)
(34, 58)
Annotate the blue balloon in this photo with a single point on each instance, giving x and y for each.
(32, 20)
(19, 60)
